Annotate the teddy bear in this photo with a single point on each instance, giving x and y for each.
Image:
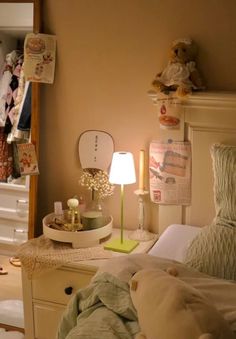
(169, 308)
(181, 74)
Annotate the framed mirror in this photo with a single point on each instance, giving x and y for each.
(14, 27)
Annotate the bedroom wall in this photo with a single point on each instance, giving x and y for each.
(108, 53)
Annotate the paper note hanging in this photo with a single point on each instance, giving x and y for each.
(170, 172)
(39, 57)
(169, 113)
(27, 159)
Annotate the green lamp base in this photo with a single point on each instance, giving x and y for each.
(126, 246)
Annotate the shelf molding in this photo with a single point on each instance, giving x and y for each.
(210, 99)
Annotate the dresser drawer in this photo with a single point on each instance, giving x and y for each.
(43, 312)
(60, 285)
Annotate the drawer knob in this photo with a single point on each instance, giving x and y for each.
(68, 290)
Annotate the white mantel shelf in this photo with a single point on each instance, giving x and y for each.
(208, 99)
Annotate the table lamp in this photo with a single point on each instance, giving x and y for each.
(122, 172)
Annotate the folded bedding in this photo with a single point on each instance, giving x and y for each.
(104, 309)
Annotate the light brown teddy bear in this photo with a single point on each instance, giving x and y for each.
(169, 308)
(181, 74)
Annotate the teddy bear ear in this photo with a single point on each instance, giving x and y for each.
(206, 336)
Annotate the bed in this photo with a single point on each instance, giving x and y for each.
(195, 254)
(105, 309)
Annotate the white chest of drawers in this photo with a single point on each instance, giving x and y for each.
(46, 297)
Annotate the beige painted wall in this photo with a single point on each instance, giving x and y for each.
(108, 53)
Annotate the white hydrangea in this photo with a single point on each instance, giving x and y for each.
(97, 181)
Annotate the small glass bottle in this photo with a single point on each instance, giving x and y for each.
(58, 211)
(82, 204)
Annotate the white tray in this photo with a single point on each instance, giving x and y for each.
(78, 239)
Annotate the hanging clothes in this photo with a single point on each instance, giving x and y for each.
(6, 157)
(22, 117)
(12, 94)
(2, 57)
(15, 163)
(15, 114)
(5, 80)
(16, 110)
(25, 116)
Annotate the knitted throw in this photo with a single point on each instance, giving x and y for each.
(41, 254)
(213, 251)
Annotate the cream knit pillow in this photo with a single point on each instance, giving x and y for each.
(213, 251)
(224, 168)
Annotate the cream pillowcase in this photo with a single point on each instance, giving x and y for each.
(168, 308)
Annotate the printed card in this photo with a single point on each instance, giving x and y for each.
(39, 57)
(27, 159)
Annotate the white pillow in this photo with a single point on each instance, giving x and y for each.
(174, 242)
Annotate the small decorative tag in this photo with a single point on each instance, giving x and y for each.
(169, 114)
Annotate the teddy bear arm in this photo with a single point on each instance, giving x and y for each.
(160, 87)
(196, 79)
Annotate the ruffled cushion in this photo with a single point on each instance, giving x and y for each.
(213, 251)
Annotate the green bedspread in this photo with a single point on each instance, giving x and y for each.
(102, 310)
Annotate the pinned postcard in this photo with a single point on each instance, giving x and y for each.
(27, 159)
(40, 57)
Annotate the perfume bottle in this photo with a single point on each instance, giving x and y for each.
(73, 215)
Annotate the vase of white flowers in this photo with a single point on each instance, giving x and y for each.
(97, 181)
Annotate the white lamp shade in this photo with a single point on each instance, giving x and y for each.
(122, 170)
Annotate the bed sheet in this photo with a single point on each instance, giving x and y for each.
(79, 316)
(89, 311)
(174, 242)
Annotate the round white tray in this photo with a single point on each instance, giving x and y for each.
(78, 239)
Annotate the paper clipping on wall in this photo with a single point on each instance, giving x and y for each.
(170, 172)
(39, 57)
(27, 159)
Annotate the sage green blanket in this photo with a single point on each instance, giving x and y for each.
(102, 310)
